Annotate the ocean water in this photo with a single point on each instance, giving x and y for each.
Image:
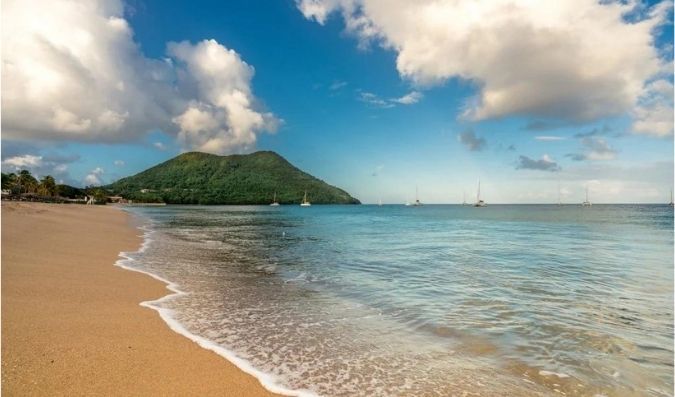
(517, 300)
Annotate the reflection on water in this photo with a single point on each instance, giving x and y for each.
(434, 300)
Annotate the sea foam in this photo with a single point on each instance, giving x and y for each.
(268, 381)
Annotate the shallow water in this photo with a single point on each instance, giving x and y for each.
(432, 300)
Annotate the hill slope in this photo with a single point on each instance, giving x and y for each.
(201, 178)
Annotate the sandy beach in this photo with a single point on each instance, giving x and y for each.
(71, 321)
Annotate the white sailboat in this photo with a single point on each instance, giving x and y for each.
(305, 203)
(464, 199)
(479, 202)
(417, 202)
(379, 202)
(559, 200)
(275, 203)
(586, 203)
(671, 199)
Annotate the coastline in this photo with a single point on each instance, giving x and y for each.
(73, 323)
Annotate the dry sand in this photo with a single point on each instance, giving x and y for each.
(71, 321)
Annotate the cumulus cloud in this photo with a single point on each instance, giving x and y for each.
(25, 161)
(545, 163)
(550, 60)
(594, 149)
(654, 114)
(469, 139)
(94, 177)
(40, 164)
(78, 75)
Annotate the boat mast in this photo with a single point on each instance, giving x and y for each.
(559, 202)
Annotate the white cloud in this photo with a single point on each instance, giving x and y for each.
(159, 146)
(548, 138)
(223, 115)
(409, 99)
(337, 85)
(38, 164)
(94, 177)
(595, 149)
(654, 114)
(119, 163)
(24, 161)
(553, 60)
(78, 75)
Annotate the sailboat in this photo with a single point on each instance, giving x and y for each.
(559, 201)
(407, 203)
(479, 202)
(379, 202)
(586, 203)
(305, 203)
(464, 199)
(275, 203)
(417, 202)
(671, 199)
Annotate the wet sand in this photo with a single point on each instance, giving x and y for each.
(71, 321)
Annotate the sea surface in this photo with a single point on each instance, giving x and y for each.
(438, 300)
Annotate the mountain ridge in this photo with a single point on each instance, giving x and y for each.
(204, 178)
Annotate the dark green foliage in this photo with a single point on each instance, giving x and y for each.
(69, 192)
(8, 181)
(100, 196)
(47, 186)
(200, 178)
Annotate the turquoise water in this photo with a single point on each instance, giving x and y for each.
(432, 300)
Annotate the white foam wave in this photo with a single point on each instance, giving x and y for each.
(268, 381)
(551, 373)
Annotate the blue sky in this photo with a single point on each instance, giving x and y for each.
(374, 113)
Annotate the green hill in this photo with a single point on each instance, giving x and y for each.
(201, 178)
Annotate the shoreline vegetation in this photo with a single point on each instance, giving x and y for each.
(72, 321)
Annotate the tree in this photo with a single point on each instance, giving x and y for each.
(26, 182)
(47, 186)
(8, 181)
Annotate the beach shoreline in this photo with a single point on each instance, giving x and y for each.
(73, 324)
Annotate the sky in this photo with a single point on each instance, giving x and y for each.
(378, 97)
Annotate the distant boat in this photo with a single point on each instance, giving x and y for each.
(379, 202)
(559, 201)
(407, 203)
(275, 203)
(479, 202)
(671, 199)
(586, 203)
(417, 202)
(305, 203)
(464, 199)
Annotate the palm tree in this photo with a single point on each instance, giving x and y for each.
(47, 186)
(26, 182)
